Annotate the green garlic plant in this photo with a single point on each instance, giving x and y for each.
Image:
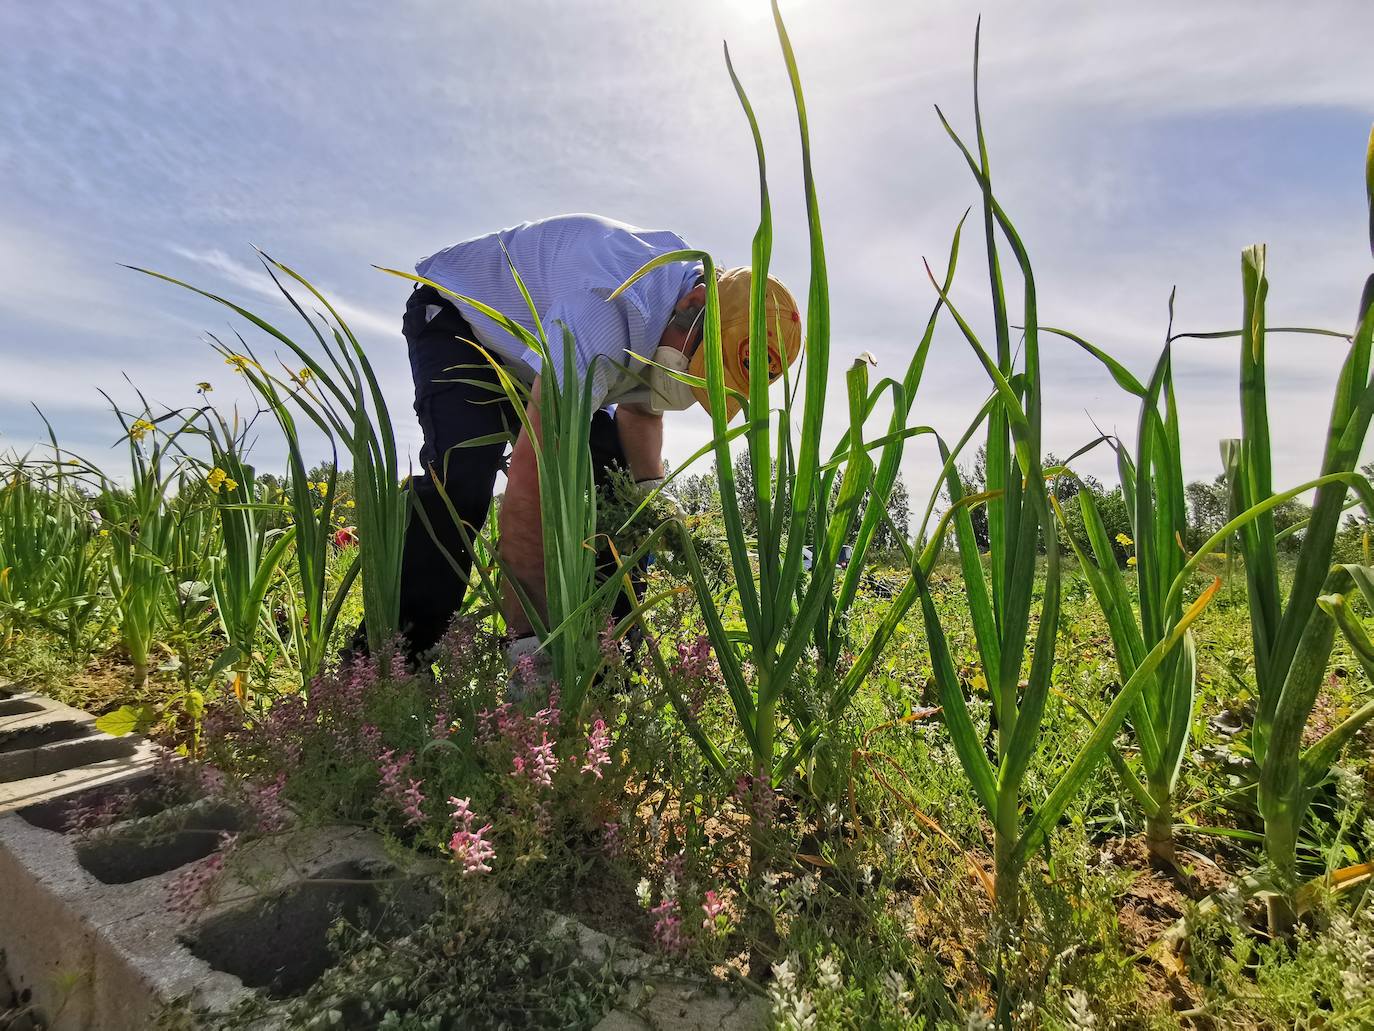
(1000, 602)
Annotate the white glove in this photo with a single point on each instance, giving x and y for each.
(531, 670)
(664, 499)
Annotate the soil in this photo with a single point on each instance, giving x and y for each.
(605, 901)
(1152, 903)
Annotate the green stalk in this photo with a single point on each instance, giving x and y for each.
(1292, 637)
(784, 608)
(1153, 484)
(1000, 606)
(252, 552)
(345, 401)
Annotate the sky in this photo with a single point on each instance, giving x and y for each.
(1137, 149)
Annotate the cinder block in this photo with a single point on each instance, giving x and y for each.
(43, 779)
(86, 928)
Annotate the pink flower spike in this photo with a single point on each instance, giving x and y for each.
(714, 908)
(598, 749)
(668, 926)
(470, 848)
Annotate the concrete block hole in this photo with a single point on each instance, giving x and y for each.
(44, 734)
(280, 944)
(64, 755)
(144, 848)
(19, 707)
(134, 795)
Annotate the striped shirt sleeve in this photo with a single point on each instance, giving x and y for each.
(600, 338)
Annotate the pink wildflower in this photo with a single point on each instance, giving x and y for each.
(191, 890)
(407, 797)
(540, 764)
(83, 818)
(369, 739)
(267, 804)
(495, 723)
(470, 848)
(695, 660)
(757, 796)
(714, 907)
(610, 840)
(598, 749)
(442, 727)
(668, 926)
(611, 648)
(210, 780)
(412, 799)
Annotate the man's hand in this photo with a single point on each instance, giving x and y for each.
(663, 501)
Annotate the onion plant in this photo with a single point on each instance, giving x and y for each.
(338, 391)
(782, 703)
(313, 598)
(251, 552)
(1152, 482)
(143, 528)
(1293, 635)
(50, 553)
(1020, 518)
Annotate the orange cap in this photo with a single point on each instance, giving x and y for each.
(780, 316)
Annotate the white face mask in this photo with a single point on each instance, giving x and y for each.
(665, 393)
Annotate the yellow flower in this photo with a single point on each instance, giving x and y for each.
(1123, 540)
(348, 503)
(218, 478)
(239, 363)
(204, 387)
(320, 488)
(1130, 561)
(302, 376)
(139, 429)
(104, 533)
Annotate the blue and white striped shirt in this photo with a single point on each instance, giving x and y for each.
(570, 264)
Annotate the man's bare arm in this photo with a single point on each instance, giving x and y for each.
(641, 438)
(522, 530)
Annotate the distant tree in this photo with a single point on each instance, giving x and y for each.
(698, 493)
(1111, 507)
(896, 530)
(744, 492)
(1209, 509)
(890, 532)
(975, 481)
(1066, 487)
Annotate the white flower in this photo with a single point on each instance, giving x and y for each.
(896, 834)
(895, 985)
(866, 873)
(802, 1014)
(669, 886)
(783, 974)
(642, 892)
(828, 973)
(1080, 1011)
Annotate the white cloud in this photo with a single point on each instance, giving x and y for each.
(400, 134)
